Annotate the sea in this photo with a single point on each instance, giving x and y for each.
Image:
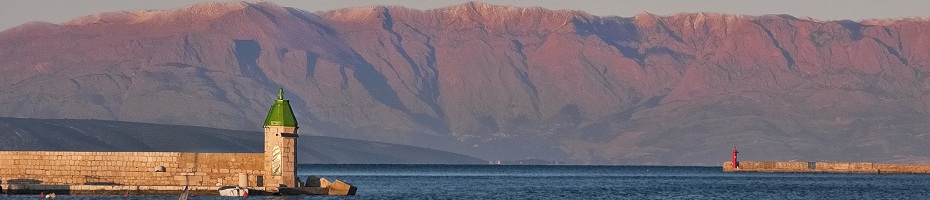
(590, 182)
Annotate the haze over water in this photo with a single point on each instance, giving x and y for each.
(591, 182)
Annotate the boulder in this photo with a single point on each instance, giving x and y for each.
(312, 181)
(341, 188)
(325, 183)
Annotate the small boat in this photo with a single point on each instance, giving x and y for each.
(185, 194)
(233, 191)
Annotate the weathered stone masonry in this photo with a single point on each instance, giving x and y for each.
(827, 167)
(128, 168)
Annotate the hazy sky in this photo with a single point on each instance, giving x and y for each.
(16, 12)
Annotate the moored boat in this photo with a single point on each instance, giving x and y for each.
(233, 191)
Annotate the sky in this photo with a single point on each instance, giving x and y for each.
(16, 12)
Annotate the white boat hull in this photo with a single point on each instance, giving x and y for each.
(233, 191)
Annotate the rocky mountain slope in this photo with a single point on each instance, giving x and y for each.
(20, 134)
(498, 83)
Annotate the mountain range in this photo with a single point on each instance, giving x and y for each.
(496, 82)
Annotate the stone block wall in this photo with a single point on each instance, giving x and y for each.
(853, 167)
(791, 165)
(128, 168)
(903, 168)
(768, 166)
(828, 167)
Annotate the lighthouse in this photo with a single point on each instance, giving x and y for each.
(735, 163)
(280, 145)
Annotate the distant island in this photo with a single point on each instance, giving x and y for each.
(20, 134)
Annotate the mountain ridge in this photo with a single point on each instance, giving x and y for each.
(497, 82)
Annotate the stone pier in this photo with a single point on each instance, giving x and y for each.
(124, 172)
(65, 189)
(827, 167)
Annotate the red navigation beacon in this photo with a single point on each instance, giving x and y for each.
(735, 164)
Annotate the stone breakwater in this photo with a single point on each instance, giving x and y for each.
(827, 167)
(64, 189)
(128, 168)
(106, 172)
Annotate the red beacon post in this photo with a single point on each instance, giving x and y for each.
(735, 163)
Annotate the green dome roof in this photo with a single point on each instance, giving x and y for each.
(281, 113)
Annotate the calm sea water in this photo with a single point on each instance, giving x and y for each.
(593, 182)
